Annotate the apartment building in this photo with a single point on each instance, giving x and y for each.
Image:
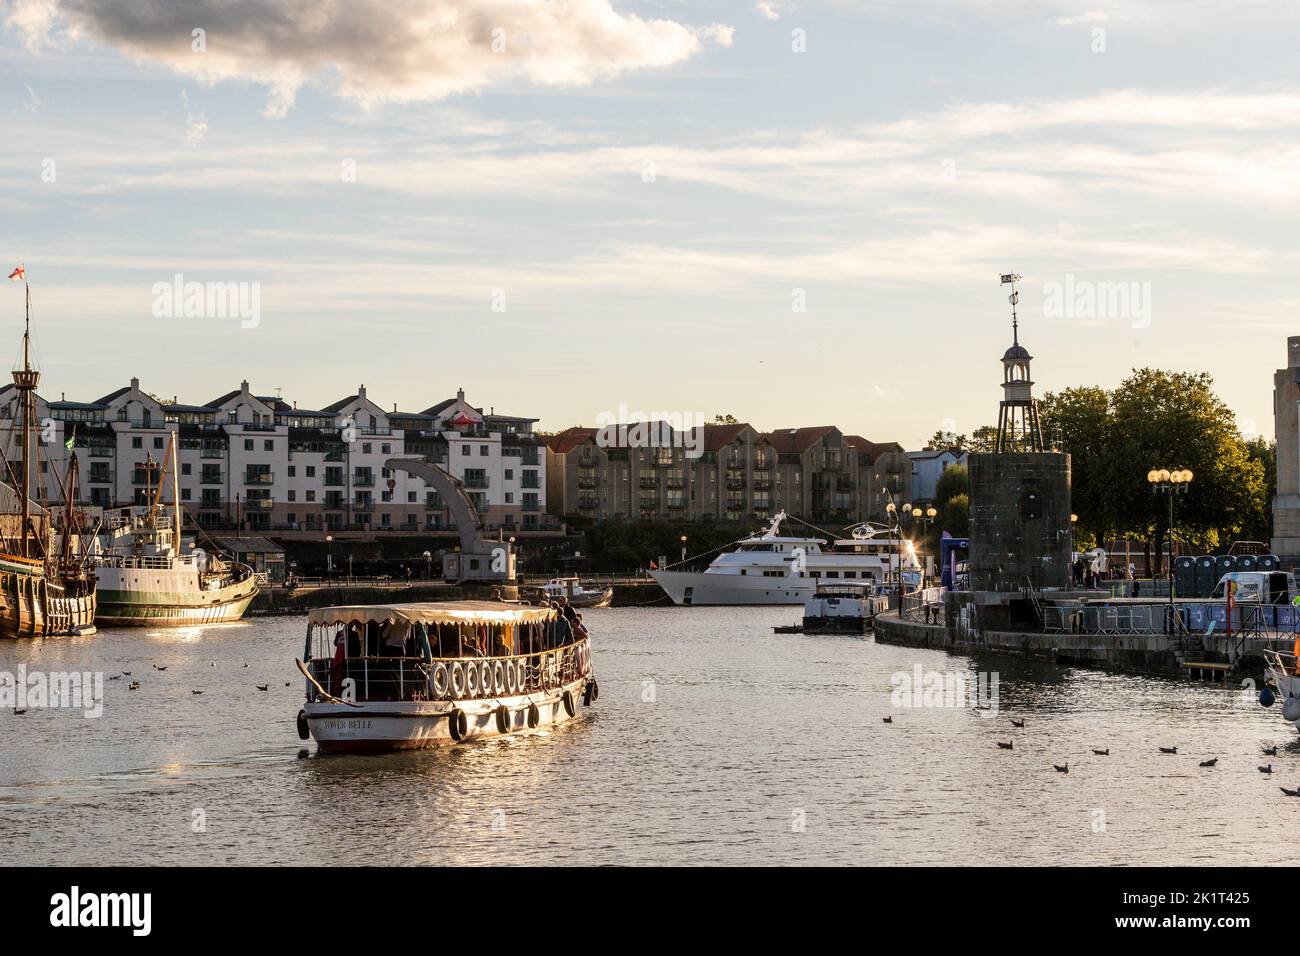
(261, 463)
(730, 472)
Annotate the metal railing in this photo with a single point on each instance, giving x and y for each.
(453, 678)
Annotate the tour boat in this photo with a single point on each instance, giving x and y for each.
(571, 589)
(408, 676)
(148, 579)
(771, 568)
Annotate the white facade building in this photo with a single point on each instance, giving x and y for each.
(264, 464)
(928, 466)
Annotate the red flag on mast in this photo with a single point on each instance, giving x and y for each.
(19, 274)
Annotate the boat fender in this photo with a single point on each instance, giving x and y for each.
(304, 730)
(485, 679)
(512, 677)
(457, 724)
(1266, 696)
(534, 715)
(1291, 709)
(471, 680)
(569, 707)
(590, 693)
(499, 679)
(503, 719)
(441, 680)
(457, 680)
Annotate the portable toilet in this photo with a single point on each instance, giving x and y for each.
(1206, 575)
(1185, 576)
(1224, 564)
(1268, 562)
(1247, 562)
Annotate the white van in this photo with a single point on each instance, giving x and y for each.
(1258, 587)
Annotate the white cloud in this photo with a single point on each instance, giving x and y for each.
(768, 9)
(373, 51)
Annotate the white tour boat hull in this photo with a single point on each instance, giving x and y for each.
(377, 726)
(1288, 687)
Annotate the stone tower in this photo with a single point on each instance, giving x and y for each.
(1286, 424)
(1020, 534)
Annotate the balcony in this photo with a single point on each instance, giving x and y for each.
(259, 504)
(259, 478)
(735, 484)
(363, 504)
(476, 482)
(762, 466)
(675, 483)
(100, 477)
(363, 479)
(257, 426)
(530, 506)
(588, 503)
(334, 480)
(763, 484)
(649, 484)
(589, 483)
(676, 504)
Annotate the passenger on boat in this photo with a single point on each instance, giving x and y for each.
(336, 665)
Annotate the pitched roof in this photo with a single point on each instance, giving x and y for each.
(345, 400)
(569, 439)
(441, 406)
(793, 441)
(117, 393)
(719, 436)
(216, 402)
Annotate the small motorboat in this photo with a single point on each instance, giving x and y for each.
(842, 607)
(571, 589)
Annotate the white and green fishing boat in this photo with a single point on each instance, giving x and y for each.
(147, 577)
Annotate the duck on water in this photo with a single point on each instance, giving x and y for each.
(407, 676)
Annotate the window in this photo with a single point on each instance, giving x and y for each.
(185, 468)
(268, 445)
(510, 497)
(158, 442)
(464, 450)
(248, 444)
(311, 495)
(510, 474)
(185, 494)
(386, 448)
(293, 495)
(137, 442)
(410, 497)
(293, 471)
(365, 448)
(482, 451)
(311, 471)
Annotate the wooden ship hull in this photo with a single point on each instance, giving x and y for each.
(33, 606)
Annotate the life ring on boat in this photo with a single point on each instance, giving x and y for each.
(590, 693)
(471, 680)
(485, 679)
(457, 724)
(534, 715)
(512, 677)
(499, 679)
(441, 680)
(569, 707)
(503, 719)
(304, 729)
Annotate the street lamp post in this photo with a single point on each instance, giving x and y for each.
(1164, 481)
(329, 557)
(683, 549)
(428, 566)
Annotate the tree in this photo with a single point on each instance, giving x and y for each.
(954, 516)
(954, 481)
(941, 440)
(1174, 420)
(1082, 418)
(983, 439)
(725, 420)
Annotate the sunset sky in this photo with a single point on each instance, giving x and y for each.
(568, 207)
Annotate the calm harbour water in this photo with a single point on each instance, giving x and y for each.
(747, 733)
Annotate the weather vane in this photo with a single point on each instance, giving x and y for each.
(1011, 278)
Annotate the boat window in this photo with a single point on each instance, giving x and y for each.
(832, 574)
(850, 574)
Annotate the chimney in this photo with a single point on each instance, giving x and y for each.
(243, 386)
(361, 393)
(1293, 351)
(394, 408)
(135, 383)
(460, 395)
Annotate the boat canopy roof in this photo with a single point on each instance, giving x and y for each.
(433, 612)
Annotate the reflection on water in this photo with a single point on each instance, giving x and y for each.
(714, 740)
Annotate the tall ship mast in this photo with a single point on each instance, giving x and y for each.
(44, 591)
